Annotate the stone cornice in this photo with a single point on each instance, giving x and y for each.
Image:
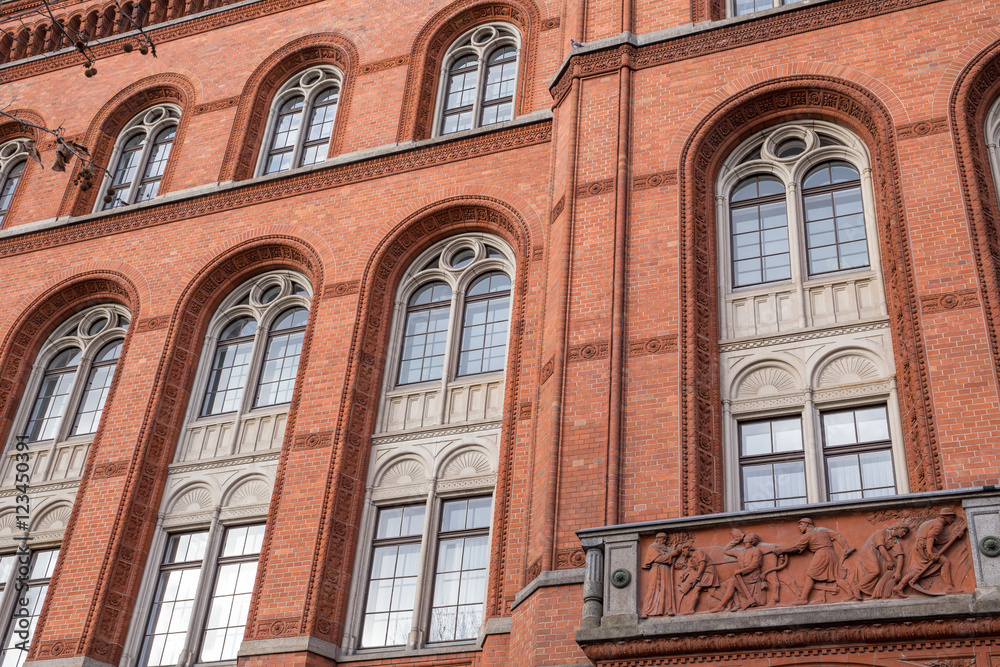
(694, 40)
(529, 130)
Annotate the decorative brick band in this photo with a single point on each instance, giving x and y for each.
(655, 345)
(595, 188)
(270, 628)
(252, 194)
(217, 105)
(537, 252)
(345, 288)
(111, 469)
(922, 128)
(568, 559)
(588, 351)
(319, 440)
(647, 181)
(524, 411)
(557, 209)
(957, 300)
(547, 370)
(388, 63)
(152, 323)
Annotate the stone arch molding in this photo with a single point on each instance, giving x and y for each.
(145, 474)
(976, 91)
(343, 498)
(253, 109)
(180, 89)
(733, 120)
(433, 40)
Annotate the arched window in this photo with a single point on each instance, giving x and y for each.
(13, 157)
(421, 578)
(301, 121)
(797, 241)
(68, 389)
(140, 157)
(992, 143)
(249, 366)
(478, 79)
(741, 7)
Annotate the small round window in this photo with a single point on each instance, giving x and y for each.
(462, 258)
(790, 148)
(270, 294)
(97, 326)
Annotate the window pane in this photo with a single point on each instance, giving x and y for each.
(228, 609)
(50, 406)
(227, 378)
(170, 616)
(424, 339)
(460, 580)
(484, 330)
(391, 590)
(9, 186)
(281, 365)
(873, 424)
(91, 406)
(774, 485)
(835, 225)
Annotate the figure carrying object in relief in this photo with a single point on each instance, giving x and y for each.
(824, 567)
(700, 574)
(658, 598)
(747, 584)
(880, 562)
(927, 561)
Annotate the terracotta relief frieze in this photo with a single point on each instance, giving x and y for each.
(319, 440)
(957, 300)
(655, 345)
(537, 252)
(649, 181)
(217, 105)
(595, 188)
(382, 65)
(547, 370)
(725, 38)
(251, 194)
(111, 469)
(345, 288)
(557, 209)
(550, 24)
(816, 562)
(588, 351)
(524, 411)
(922, 128)
(568, 559)
(154, 323)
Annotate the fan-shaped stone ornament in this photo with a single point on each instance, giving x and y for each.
(766, 382)
(54, 519)
(8, 525)
(254, 492)
(195, 500)
(848, 370)
(467, 464)
(404, 473)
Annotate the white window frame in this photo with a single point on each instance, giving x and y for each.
(300, 84)
(481, 49)
(216, 529)
(265, 315)
(8, 603)
(992, 135)
(731, 7)
(150, 122)
(12, 153)
(459, 281)
(71, 333)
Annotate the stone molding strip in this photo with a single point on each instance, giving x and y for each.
(216, 199)
(957, 300)
(217, 105)
(921, 128)
(546, 579)
(668, 46)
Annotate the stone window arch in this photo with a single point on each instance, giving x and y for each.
(798, 256)
(301, 120)
(140, 157)
(66, 394)
(13, 159)
(992, 136)
(478, 79)
(247, 371)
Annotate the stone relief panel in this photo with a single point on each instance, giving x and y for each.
(51, 506)
(238, 487)
(411, 408)
(874, 556)
(207, 439)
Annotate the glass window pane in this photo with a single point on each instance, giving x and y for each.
(755, 438)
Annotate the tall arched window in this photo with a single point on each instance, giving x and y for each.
(68, 388)
(140, 157)
(797, 240)
(13, 158)
(478, 79)
(993, 143)
(301, 120)
(423, 560)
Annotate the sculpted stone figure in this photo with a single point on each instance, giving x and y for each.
(747, 584)
(658, 598)
(928, 560)
(700, 574)
(824, 566)
(880, 562)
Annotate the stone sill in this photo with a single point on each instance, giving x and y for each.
(616, 628)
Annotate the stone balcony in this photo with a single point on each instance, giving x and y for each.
(879, 575)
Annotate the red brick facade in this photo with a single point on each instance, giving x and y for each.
(604, 189)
